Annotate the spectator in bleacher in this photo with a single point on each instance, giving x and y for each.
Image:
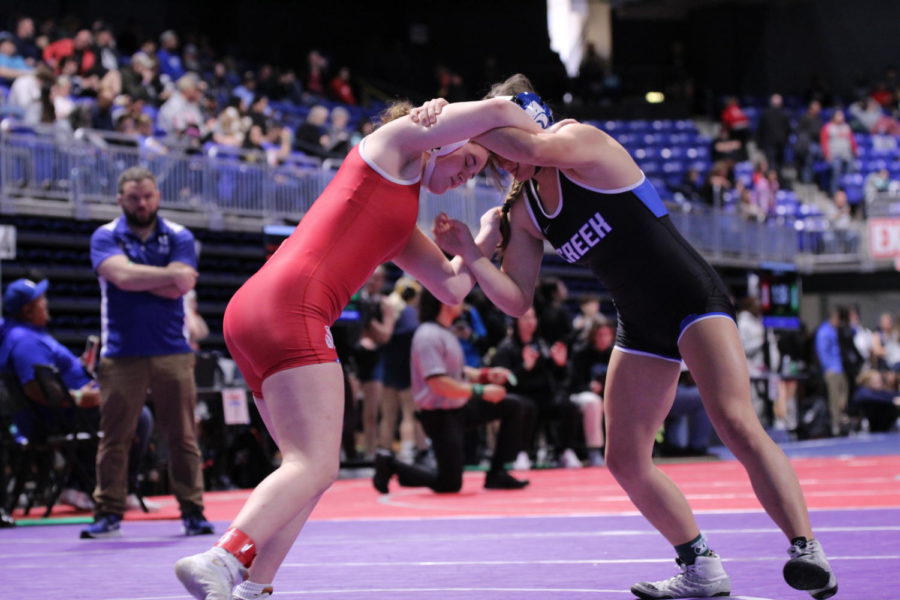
(105, 49)
(828, 351)
(258, 113)
(246, 91)
(61, 96)
(288, 87)
(587, 378)
(141, 80)
(841, 223)
(278, 144)
(726, 149)
(450, 85)
(144, 125)
(886, 343)
(877, 184)
(221, 81)
(806, 144)
(229, 129)
(340, 89)
(773, 131)
(12, 65)
(310, 137)
(25, 42)
(26, 343)
(746, 204)
(316, 67)
(540, 371)
(451, 398)
(145, 265)
(338, 131)
(765, 189)
(266, 80)
(718, 186)
(690, 189)
(736, 123)
(879, 404)
(838, 148)
(169, 60)
(363, 128)
(190, 59)
(864, 114)
(79, 48)
(101, 112)
(181, 112)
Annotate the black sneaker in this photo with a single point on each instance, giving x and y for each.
(384, 470)
(501, 480)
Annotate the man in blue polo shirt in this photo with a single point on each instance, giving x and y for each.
(145, 265)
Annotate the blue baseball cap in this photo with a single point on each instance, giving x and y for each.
(22, 291)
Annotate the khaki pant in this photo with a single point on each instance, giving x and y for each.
(838, 392)
(125, 385)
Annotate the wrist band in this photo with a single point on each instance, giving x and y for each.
(77, 394)
(477, 391)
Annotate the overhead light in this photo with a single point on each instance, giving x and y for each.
(655, 97)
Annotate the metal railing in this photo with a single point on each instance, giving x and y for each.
(80, 173)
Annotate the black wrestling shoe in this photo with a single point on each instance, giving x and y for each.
(501, 480)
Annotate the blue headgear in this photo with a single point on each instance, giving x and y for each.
(535, 107)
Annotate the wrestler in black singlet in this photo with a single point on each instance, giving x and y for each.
(658, 282)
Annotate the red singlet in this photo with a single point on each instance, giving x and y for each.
(280, 317)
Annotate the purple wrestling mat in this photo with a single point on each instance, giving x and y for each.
(510, 558)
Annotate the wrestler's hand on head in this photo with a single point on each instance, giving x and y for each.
(426, 115)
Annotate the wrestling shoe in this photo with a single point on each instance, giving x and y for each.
(808, 570)
(704, 579)
(252, 591)
(104, 526)
(384, 470)
(210, 575)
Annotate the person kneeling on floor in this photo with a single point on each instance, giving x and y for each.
(450, 398)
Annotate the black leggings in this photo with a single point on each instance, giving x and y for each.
(447, 428)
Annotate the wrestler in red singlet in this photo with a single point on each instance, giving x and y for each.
(280, 317)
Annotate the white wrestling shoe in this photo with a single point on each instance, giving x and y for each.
(252, 591)
(704, 579)
(210, 575)
(808, 570)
